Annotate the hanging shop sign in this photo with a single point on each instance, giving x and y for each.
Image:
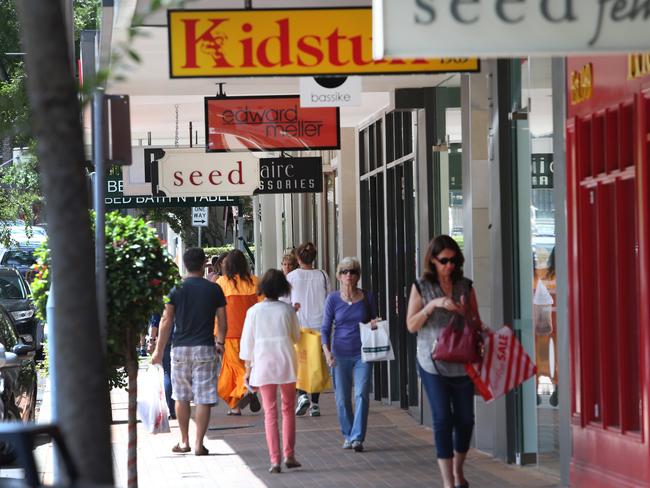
(291, 175)
(330, 92)
(269, 123)
(542, 170)
(304, 42)
(116, 200)
(187, 173)
(508, 27)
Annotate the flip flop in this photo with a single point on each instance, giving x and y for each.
(231, 412)
(177, 448)
(201, 451)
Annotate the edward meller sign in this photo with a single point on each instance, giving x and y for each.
(269, 123)
(508, 27)
(319, 41)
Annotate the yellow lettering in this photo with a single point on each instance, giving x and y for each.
(638, 65)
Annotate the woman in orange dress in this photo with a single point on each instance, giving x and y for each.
(240, 289)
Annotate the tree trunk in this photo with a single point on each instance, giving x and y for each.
(132, 370)
(82, 397)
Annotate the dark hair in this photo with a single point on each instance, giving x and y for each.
(306, 252)
(436, 246)
(194, 259)
(273, 284)
(550, 263)
(214, 260)
(236, 265)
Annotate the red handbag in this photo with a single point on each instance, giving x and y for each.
(459, 342)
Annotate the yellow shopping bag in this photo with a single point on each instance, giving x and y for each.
(313, 373)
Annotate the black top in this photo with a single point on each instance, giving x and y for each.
(195, 303)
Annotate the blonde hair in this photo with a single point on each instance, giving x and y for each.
(291, 258)
(348, 263)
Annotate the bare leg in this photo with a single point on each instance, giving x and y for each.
(447, 472)
(201, 419)
(183, 416)
(459, 460)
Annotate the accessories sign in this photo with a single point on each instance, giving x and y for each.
(306, 42)
(291, 175)
(268, 123)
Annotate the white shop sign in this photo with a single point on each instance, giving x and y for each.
(187, 173)
(347, 94)
(459, 28)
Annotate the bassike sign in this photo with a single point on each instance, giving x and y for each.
(268, 123)
(320, 41)
(508, 27)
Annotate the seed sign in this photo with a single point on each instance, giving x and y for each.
(320, 41)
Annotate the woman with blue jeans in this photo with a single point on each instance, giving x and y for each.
(441, 292)
(347, 308)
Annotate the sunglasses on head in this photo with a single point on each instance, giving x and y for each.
(350, 271)
(444, 261)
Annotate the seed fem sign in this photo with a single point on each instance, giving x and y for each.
(269, 123)
(508, 27)
(321, 41)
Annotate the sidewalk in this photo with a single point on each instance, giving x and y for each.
(399, 453)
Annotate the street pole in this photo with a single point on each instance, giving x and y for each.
(199, 232)
(51, 352)
(99, 196)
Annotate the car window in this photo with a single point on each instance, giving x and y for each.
(18, 257)
(8, 335)
(11, 287)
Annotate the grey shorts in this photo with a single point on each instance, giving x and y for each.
(194, 374)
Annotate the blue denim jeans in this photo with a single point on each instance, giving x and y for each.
(452, 409)
(353, 422)
(167, 374)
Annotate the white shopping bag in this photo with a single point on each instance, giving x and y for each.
(375, 344)
(152, 406)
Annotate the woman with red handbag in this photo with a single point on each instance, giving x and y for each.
(443, 311)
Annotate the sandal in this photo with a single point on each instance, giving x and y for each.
(178, 449)
(233, 412)
(275, 468)
(201, 451)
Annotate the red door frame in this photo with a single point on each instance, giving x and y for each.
(604, 455)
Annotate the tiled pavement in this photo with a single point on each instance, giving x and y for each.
(399, 453)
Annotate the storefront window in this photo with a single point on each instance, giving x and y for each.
(539, 301)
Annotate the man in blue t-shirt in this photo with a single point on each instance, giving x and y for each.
(190, 312)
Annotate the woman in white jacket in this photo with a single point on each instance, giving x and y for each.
(270, 333)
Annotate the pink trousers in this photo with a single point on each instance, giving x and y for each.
(270, 402)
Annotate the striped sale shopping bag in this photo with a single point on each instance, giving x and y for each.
(505, 365)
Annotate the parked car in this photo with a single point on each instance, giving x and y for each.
(20, 257)
(15, 297)
(18, 381)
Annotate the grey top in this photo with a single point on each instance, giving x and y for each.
(437, 321)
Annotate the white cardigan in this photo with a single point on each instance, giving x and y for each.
(270, 332)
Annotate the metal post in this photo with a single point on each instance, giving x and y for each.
(99, 197)
(51, 352)
(199, 232)
(240, 233)
(190, 134)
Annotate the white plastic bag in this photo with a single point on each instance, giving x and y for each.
(152, 406)
(375, 344)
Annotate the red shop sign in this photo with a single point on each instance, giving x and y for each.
(269, 123)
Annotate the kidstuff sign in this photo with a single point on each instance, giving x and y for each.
(269, 123)
(323, 41)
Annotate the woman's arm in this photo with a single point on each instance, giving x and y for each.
(417, 312)
(326, 330)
